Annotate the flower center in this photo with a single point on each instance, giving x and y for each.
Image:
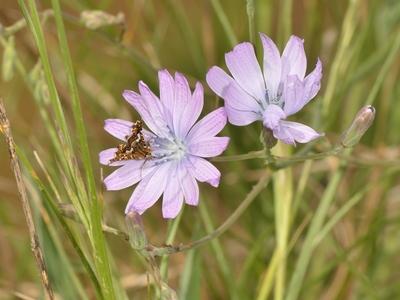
(166, 149)
(272, 116)
(271, 98)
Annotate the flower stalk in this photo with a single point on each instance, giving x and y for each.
(15, 165)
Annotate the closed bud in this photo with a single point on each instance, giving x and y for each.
(359, 126)
(137, 236)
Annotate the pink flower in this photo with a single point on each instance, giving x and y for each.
(178, 146)
(270, 96)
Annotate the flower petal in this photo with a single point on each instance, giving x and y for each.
(291, 132)
(106, 155)
(294, 61)
(203, 170)
(237, 98)
(127, 175)
(189, 186)
(172, 198)
(241, 109)
(140, 106)
(146, 110)
(208, 126)
(183, 97)
(118, 128)
(218, 80)
(272, 66)
(172, 201)
(167, 94)
(243, 65)
(148, 190)
(192, 110)
(283, 134)
(155, 109)
(272, 116)
(312, 82)
(209, 147)
(293, 95)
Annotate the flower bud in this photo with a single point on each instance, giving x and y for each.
(359, 126)
(137, 236)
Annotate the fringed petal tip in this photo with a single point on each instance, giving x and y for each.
(214, 182)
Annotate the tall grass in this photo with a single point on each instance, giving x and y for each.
(313, 222)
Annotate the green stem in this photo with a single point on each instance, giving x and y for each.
(61, 138)
(287, 20)
(224, 22)
(270, 274)
(282, 202)
(394, 51)
(251, 155)
(219, 253)
(20, 24)
(348, 29)
(97, 237)
(172, 230)
(338, 216)
(269, 277)
(250, 9)
(280, 162)
(251, 196)
(261, 184)
(32, 18)
(315, 227)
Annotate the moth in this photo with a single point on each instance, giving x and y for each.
(135, 147)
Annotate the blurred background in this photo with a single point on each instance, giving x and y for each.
(358, 43)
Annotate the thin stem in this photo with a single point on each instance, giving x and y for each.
(224, 22)
(393, 53)
(338, 216)
(279, 162)
(193, 44)
(171, 249)
(219, 253)
(261, 184)
(348, 29)
(250, 155)
(33, 20)
(250, 16)
(283, 186)
(287, 20)
(20, 24)
(283, 162)
(315, 227)
(97, 238)
(172, 230)
(34, 239)
(269, 277)
(270, 274)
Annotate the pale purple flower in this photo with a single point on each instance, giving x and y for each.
(270, 96)
(178, 146)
